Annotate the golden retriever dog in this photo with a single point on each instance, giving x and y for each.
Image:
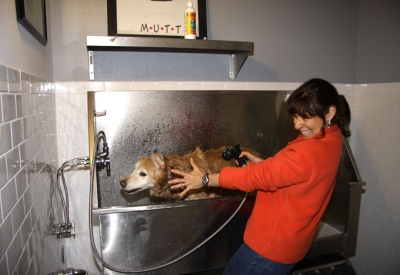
(154, 172)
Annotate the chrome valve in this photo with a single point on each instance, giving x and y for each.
(62, 230)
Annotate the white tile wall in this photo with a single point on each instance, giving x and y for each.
(73, 142)
(27, 148)
(375, 144)
(376, 149)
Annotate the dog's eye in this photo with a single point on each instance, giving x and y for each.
(142, 174)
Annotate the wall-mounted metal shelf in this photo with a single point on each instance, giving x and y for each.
(237, 51)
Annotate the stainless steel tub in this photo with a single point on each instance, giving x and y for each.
(144, 237)
(138, 232)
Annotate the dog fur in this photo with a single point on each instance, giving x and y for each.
(154, 172)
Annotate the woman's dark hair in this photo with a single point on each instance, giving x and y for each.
(314, 97)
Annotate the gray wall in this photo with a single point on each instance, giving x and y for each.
(72, 22)
(294, 41)
(378, 58)
(344, 41)
(19, 49)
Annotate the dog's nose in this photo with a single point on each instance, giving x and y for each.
(123, 183)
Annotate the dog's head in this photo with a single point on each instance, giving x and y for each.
(148, 172)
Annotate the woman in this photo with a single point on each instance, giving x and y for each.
(293, 187)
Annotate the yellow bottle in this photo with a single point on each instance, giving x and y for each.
(190, 22)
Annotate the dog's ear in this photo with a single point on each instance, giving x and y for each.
(157, 160)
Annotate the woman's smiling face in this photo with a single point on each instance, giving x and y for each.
(311, 126)
(308, 127)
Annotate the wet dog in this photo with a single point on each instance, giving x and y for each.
(154, 172)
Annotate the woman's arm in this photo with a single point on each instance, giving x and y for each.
(250, 157)
(192, 180)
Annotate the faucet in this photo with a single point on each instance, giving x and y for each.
(103, 157)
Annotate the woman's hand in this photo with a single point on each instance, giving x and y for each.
(189, 181)
(250, 157)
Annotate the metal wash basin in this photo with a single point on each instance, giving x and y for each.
(139, 233)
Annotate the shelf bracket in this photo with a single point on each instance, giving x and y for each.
(236, 61)
(91, 65)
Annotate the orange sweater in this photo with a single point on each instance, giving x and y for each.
(294, 188)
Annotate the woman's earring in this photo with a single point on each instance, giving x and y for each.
(329, 124)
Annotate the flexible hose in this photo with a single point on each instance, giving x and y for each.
(60, 174)
(64, 196)
(101, 260)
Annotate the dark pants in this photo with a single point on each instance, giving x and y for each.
(248, 262)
